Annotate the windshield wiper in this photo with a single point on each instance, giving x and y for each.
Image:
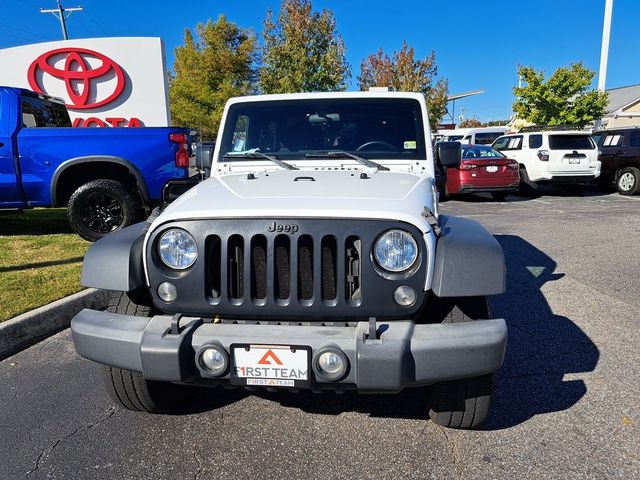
(343, 154)
(258, 154)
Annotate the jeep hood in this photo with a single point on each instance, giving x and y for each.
(310, 193)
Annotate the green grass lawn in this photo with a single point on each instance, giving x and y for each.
(40, 260)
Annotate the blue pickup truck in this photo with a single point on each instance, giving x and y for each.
(106, 177)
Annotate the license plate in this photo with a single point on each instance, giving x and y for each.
(270, 365)
(574, 160)
(492, 168)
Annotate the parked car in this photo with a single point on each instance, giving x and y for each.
(568, 158)
(106, 177)
(620, 159)
(473, 136)
(314, 257)
(483, 170)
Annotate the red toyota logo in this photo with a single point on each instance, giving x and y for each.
(78, 76)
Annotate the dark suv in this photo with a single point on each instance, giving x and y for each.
(620, 157)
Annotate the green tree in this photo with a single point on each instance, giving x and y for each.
(212, 66)
(302, 51)
(402, 72)
(564, 98)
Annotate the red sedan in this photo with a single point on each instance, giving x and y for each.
(483, 170)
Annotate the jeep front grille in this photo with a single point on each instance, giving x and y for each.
(318, 270)
(284, 268)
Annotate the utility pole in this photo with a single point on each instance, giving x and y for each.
(60, 14)
(604, 51)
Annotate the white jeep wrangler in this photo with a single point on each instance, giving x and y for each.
(313, 257)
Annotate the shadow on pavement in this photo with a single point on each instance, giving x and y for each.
(542, 349)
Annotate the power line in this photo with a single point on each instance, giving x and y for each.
(16, 37)
(61, 14)
(24, 31)
(84, 27)
(96, 22)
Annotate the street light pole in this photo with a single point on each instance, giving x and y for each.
(604, 52)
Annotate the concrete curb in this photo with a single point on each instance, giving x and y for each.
(29, 328)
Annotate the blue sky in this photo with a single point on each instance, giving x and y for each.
(478, 44)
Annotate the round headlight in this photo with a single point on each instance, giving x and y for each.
(396, 251)
(177, 249)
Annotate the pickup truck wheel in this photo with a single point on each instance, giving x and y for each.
(130, 389)
(462, 403)
(101, 206)
(628, 182)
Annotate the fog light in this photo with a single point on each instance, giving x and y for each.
(167, 292)
(332, 364)
(404, 295)
(213, 360)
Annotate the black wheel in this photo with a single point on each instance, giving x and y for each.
(628, 181)
(102, 206)
(526, 188)
(463, 403)
(499, 196)
(130, 389)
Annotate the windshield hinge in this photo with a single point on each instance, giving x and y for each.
(432, 221)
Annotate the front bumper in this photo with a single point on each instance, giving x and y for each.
(405, 354)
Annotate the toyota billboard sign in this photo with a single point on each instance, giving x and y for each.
(119, 82)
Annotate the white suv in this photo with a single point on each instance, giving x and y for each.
(564, 157)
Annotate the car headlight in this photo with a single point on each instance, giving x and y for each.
(396, 251)
(177, 249)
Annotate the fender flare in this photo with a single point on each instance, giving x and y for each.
(469, 260)
(114, 262)
(142, 184)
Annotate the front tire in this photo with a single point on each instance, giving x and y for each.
(102, 206)
(628, 181)
(131, 390)
(463, 403)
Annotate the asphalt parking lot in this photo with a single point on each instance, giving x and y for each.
(567, 402)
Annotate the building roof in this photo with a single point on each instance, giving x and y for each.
(622, 96)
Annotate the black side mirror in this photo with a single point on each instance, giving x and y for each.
(448, 154)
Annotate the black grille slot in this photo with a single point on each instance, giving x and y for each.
(353, 269)
(329, 255)
(235, 254)
(282, 267)
(213, 255)
(259, 267)
(305, 267)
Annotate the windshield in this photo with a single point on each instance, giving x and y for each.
(384, 128)
(480, 152)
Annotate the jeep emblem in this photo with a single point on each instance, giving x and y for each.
(279, 228)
